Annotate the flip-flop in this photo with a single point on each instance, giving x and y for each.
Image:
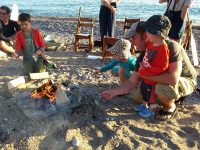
(164, 115)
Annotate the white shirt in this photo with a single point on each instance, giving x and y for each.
(179, 5)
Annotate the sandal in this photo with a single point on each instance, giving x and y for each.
(164, 115)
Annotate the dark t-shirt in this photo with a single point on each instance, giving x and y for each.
(176, 53)
(10, 29)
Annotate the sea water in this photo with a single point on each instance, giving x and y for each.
(90, 8)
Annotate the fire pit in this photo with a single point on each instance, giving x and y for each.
(51, 97)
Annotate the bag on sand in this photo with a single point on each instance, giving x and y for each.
(51, 45)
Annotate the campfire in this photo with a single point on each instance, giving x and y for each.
(47, 90)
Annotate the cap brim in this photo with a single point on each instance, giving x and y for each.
(131, 32)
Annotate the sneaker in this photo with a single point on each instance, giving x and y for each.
(139, 107)
(146, 113)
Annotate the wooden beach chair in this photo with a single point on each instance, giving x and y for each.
(128, 23)
(188, 41)
(84, 31)
(107, 42)
(185, 40)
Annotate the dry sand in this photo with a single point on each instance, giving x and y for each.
(96, 124)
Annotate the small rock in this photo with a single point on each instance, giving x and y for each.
(117, 145)
(5, 119)
(4, 135)
(117, 109)
(75, 142)
(107, 119)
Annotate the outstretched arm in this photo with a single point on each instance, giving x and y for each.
(123, 89)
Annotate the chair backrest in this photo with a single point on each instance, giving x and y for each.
(85, 25)
(108, 42)
(128, 23)
(187, 35)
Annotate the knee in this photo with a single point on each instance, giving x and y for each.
(166, 91)
(1, 43)
(136, 96)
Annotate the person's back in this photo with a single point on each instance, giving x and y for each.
(179, 53)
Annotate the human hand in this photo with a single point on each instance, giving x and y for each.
(97, 71)
(114, 10)
(14, 55)
(38, 52)
(109, 94)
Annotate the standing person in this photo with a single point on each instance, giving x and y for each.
(176, 12)
(178, 81)
(30, 44)
(107, 20)
(123, 63)
(155, 61)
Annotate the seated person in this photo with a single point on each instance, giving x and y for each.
(122, 63)
(8, 29)
(5, 48)
(30, 44)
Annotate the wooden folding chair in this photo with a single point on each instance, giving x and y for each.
(185, 40)
(107, 42)
(84, 31)
(128, 23)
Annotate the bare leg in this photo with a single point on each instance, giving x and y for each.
(166, 102)
(5, 48)
(168, 106)
(121, 75)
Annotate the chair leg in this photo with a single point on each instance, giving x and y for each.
(76, 44)
(90, 44)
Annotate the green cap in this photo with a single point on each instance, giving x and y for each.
(158, 25)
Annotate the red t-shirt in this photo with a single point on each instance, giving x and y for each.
(155, 61)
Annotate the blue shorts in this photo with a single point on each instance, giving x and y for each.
(127, 73)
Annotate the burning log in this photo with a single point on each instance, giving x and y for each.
(47, 90)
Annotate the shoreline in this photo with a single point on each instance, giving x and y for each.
(74, 19)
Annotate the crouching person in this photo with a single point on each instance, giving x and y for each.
(30, 44)
(122, 63)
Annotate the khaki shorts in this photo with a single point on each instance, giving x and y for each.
(184, 87)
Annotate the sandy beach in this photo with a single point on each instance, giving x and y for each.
(95, 124)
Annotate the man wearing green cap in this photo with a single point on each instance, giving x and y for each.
(177, 82)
